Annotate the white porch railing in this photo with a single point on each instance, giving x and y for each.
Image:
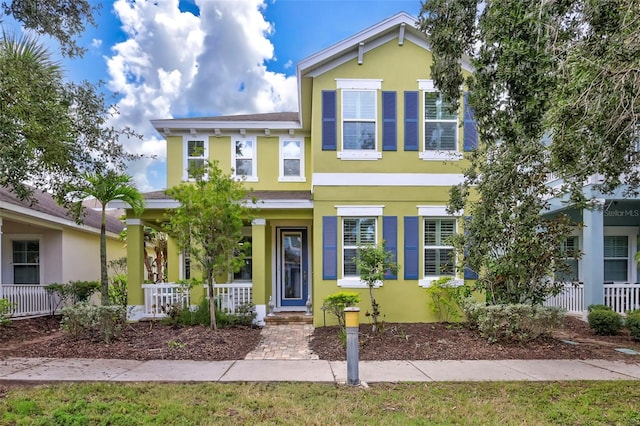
(571, 298)
(28, 300)
(158, 298)
(621, 297)
(232, 296)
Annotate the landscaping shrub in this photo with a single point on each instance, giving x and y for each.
(445, 297)
(118, 290)
(512, 322)
(6, 309)
(245, 315)
(596, 307)
(633, 324)
(336, 302)
(74, 291)
(604, 322)
(83, 319)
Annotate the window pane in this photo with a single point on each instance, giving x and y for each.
(615, 270)
(568, 275)
(440, 136)
(359, 135)
(291, 167)
(244, 149)
(244, 167)
(26, 274)
(350, 230)
(195, 148)
(350, 269)
(436, 109)
(244, 274)
(359, 105)
(367, 231)
(616, 246)
(291, 149)
(196, 166)
(438, 262)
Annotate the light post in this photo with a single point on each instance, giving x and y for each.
(352, 324)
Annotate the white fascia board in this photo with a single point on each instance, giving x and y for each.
(387, 179)
(209, 125)
(283, 204)
(21, 213)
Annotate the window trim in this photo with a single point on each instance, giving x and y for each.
(254, 158)
(282, 178)
(427, 86)
(185, 153)
(360, 85)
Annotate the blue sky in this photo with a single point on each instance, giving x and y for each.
(179, 58)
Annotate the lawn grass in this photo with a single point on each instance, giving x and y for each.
(485, 403)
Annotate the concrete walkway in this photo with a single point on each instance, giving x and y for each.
(113, 370)
(284, 342)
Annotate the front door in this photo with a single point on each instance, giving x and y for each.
(292, 271)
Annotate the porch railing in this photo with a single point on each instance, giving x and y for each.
(29, 300)
(621, 297)
(570, 298)
(160, 297)
(232, 296)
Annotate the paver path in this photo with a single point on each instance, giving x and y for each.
(286, 341)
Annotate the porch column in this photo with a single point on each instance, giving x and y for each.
(593, 256)
(135, 268)
(258, 270)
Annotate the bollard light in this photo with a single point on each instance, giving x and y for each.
(352, 324)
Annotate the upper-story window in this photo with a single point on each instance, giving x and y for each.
(291, 160)
(243, 152)
(195, 155)
(440, 125)
(359, 114)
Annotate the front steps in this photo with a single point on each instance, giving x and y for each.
(282, 318)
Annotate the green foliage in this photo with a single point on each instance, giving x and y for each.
(118, 290)
(336, 302)
(604, 322)
(444, 298)
(597, 307)
(84, 320)
(106, 187)
(512, 322)
(244, 316)
(373, 263)
(209, 221)
(633, 324)
(6, 309)
(74, 291)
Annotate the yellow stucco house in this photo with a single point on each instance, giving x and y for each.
(41, 244)
(370, 156)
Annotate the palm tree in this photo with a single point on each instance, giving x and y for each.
(107, 187)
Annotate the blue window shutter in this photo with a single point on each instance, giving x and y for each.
(329, 114)
(389, 130)
(470, 126)
(329, 247)
(468, 273)
(411, 249)
(390, 237)
(410, 121)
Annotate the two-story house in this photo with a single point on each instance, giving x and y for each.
(369, 157)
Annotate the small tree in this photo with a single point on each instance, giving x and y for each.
(373, 263)
(208, 223)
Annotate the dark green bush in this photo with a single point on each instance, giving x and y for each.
(633, 324)
(592, 308)
(201, 316)
(604, 322)
(336, 302)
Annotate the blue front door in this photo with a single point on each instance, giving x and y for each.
(293, 262)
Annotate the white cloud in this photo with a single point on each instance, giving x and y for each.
(96, 43)
(178, 64)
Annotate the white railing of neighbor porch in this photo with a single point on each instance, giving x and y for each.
(158, 298)
(622, 297)
(571, 298)
(232, 296)
(28, 300)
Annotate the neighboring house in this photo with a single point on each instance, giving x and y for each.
(40, 244)
(370, 156)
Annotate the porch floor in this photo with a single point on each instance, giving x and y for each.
(284, 341)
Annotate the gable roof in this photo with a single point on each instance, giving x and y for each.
(46, 208)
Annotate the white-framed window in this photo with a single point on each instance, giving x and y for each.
(245, 273)
(26, 261)
(439, 255)
(440, 126)
(244, 161)
(195, 153)
(619, 254)
(359, 119)
(291, 160)
(570, 247)
(356, 233)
